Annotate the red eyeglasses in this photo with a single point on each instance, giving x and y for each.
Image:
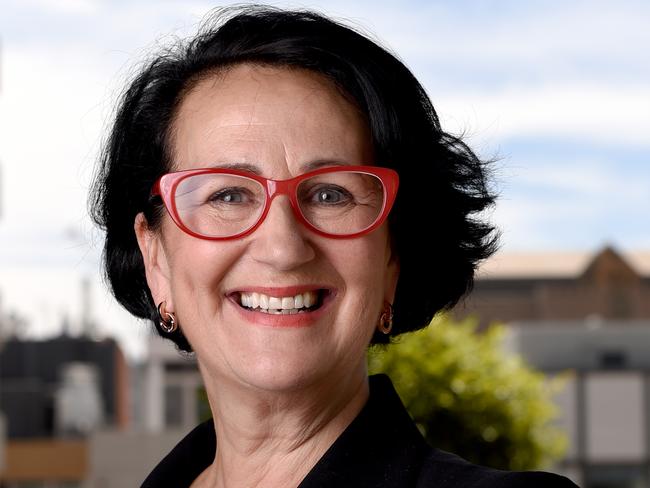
(336, 202)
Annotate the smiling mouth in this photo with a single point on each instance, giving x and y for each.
(300, 303)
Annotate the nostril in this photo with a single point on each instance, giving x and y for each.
(281, 240)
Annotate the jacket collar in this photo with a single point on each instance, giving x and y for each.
(381, 447)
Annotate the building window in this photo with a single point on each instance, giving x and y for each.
(630, 476)
(613, 359)
(173, 405)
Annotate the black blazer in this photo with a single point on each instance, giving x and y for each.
(381, 448)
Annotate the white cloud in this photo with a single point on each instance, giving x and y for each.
(573, 204)
(588, 112)
(532, 34)
(64, 6)
(587, 178)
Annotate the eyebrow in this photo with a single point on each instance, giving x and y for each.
(251, 168)
(321, 163)
(304, 168)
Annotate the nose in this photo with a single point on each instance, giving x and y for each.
(281, 241)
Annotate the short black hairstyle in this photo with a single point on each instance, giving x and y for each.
(435, 225)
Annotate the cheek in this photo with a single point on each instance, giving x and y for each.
(197, 270)
(363, 268)
(366, 261)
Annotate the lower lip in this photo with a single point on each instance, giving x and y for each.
(296, 320)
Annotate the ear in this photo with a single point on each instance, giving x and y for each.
(392, 276)
(392, 273)
(155, 261)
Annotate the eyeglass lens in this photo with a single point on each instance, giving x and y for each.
(222, 205)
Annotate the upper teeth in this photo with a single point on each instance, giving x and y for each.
(259, 300)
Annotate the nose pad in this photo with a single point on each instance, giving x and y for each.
(281, 240)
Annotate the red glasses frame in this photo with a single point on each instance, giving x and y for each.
(166, 186)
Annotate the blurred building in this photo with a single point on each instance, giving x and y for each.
(562, 286)
(3, 442)
(54, 394)
(172, 393)
(77, 415)
(40, 377)
(169, 400)
(590, 314)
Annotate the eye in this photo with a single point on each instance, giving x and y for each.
(330, 195)
(231, 196)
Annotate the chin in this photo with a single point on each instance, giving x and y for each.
(280, 359)
(284, 374)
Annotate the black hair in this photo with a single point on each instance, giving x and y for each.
(435, 226)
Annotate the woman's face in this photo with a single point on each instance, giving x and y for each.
(276, 121)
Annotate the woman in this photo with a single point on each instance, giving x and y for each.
(245, 191)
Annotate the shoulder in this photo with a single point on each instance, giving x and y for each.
(445, 470)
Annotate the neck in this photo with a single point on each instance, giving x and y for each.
(275, 438)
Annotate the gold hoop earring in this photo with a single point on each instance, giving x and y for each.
(386, 319)
(167, 320)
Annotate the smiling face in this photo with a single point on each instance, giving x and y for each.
(227, 295)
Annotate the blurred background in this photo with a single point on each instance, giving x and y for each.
(559, 92)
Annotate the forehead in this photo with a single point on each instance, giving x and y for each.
(262, 114)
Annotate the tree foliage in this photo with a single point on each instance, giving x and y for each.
(470, 397)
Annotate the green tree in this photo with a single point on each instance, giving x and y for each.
(470, 397)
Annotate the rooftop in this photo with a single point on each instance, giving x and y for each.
(568, 264)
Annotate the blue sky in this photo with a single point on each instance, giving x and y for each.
(558, 91)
